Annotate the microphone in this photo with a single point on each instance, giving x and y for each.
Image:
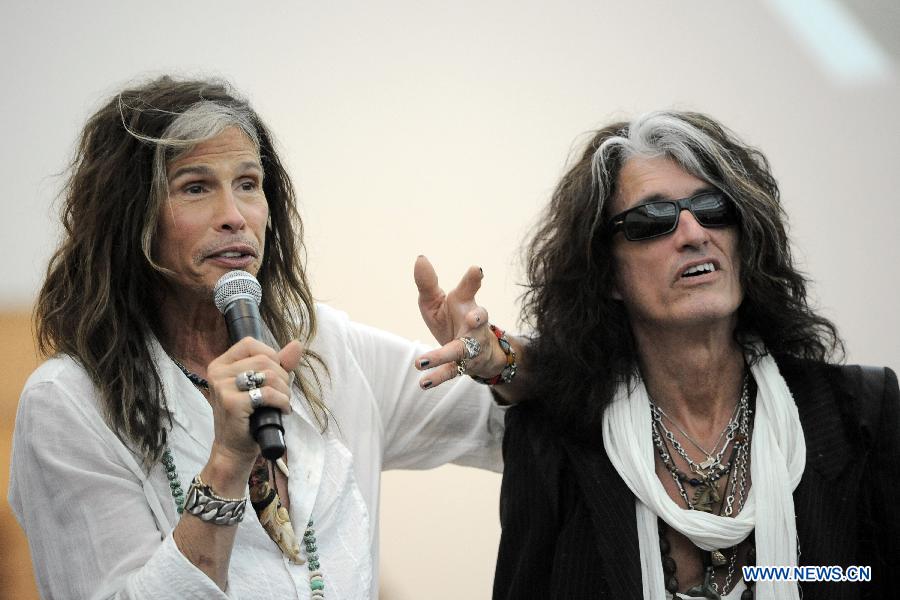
(237, 295)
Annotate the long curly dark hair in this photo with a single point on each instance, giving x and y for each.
(584, 347)
(98, 302)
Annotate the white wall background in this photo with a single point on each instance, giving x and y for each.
(440, 128)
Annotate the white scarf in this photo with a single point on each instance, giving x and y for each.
(777, 459)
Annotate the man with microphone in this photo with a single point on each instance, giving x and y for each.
(133, 455)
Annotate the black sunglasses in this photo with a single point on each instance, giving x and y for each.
(710, 208)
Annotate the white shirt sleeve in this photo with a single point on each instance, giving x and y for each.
(457, 421)
(79, 494)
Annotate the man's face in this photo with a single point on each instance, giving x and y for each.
(215, 217)
(651, 276)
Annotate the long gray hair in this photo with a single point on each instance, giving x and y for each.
(584, 347)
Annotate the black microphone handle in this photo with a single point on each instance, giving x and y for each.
(242, 319)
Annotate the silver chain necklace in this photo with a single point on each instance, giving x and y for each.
(712, 463)
(709, 454)
(738, 430)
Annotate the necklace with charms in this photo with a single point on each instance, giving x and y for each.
(704, 479)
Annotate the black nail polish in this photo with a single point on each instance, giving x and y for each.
(426, 384)
(424, 363)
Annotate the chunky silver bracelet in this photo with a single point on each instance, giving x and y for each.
(202, 502)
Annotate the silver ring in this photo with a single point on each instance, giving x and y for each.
(472, 347)
(461, 366)
(248, 380)
(245, 381)
(255, 398)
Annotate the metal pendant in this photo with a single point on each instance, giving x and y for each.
(717, 558)
(707, 464)
(705, 590)
(705, 469)
(706, 495)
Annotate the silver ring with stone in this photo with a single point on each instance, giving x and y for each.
(255, 398)
(472, 347)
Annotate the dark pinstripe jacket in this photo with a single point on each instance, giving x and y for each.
(569, 529)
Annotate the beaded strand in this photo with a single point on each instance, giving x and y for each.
(174, 485)
(316, 580)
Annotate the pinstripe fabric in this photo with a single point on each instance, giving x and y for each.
(568, 520)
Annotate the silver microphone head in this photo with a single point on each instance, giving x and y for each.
(234, 285)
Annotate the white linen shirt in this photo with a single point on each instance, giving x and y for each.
(99, 526)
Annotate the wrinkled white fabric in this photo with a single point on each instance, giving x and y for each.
(100, 527)
(778, 457)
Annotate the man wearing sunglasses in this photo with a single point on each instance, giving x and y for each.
(687, 419)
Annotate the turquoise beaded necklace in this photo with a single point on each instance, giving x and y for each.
(174, 485)
(316, 579)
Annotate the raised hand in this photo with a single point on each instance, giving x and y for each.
(450, 317)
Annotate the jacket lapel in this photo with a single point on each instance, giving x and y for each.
(826, 481)
(827, 448)
(612, 510)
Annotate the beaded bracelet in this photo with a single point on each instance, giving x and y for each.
(509, 371)
(203, 503)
